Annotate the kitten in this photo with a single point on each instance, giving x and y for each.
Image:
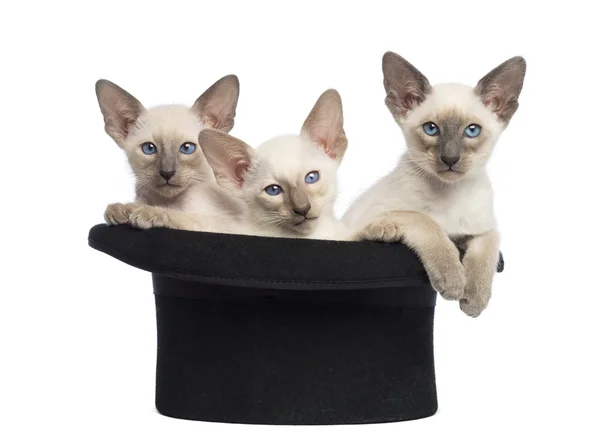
(289, 183)
(161, 146)
(440, 190)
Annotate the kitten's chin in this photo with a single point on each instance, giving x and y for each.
(169, 191)
(303, 227)
(449, 175)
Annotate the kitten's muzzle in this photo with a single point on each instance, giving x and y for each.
(450, 160)
(303, 222)
(302, 210)
(167, 175)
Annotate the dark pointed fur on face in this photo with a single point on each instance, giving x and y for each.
(451, 142)
(166, 171)
(437, 121)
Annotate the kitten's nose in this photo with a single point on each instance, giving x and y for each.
(166, 174)
(303, 210)
(450, 160)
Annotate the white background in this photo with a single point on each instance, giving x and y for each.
(77, 327)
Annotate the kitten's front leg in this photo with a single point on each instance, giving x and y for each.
(146, 217)
(480, 262)
(423, 235)
(119, 213)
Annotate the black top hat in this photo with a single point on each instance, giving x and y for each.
(285, 331)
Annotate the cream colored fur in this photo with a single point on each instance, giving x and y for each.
(428, 207)
(285, 161)
(192, 188)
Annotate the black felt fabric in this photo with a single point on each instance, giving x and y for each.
(284, 331)
(259, 261)
(275, 359)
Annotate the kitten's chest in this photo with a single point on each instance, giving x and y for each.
(331, 229)
(198, 202)
(461, 211)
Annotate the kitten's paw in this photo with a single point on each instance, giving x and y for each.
(384, 231)
(118, 213)
(472, 307)
(449, 279)
(477, 295)
(147, 217)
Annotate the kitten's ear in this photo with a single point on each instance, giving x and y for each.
(405, 86)
(216, 107)
(119, 108)
(500, 88)
(325, 125)
(228, 156)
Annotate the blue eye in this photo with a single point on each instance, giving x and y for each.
(273, 190)
(312, 177)
(148, 148)
(187, 148)
(431, 129)
(472, 131)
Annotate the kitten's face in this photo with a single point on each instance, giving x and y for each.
(163, 153)
(161, 142)
(451, 133)
(289, 182)
(451, 129)
(291, 185)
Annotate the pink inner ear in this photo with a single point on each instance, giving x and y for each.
(327, 148)
(239, 171)
(411, 100)
(129, 123)
(493, 103)
(209, 122)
